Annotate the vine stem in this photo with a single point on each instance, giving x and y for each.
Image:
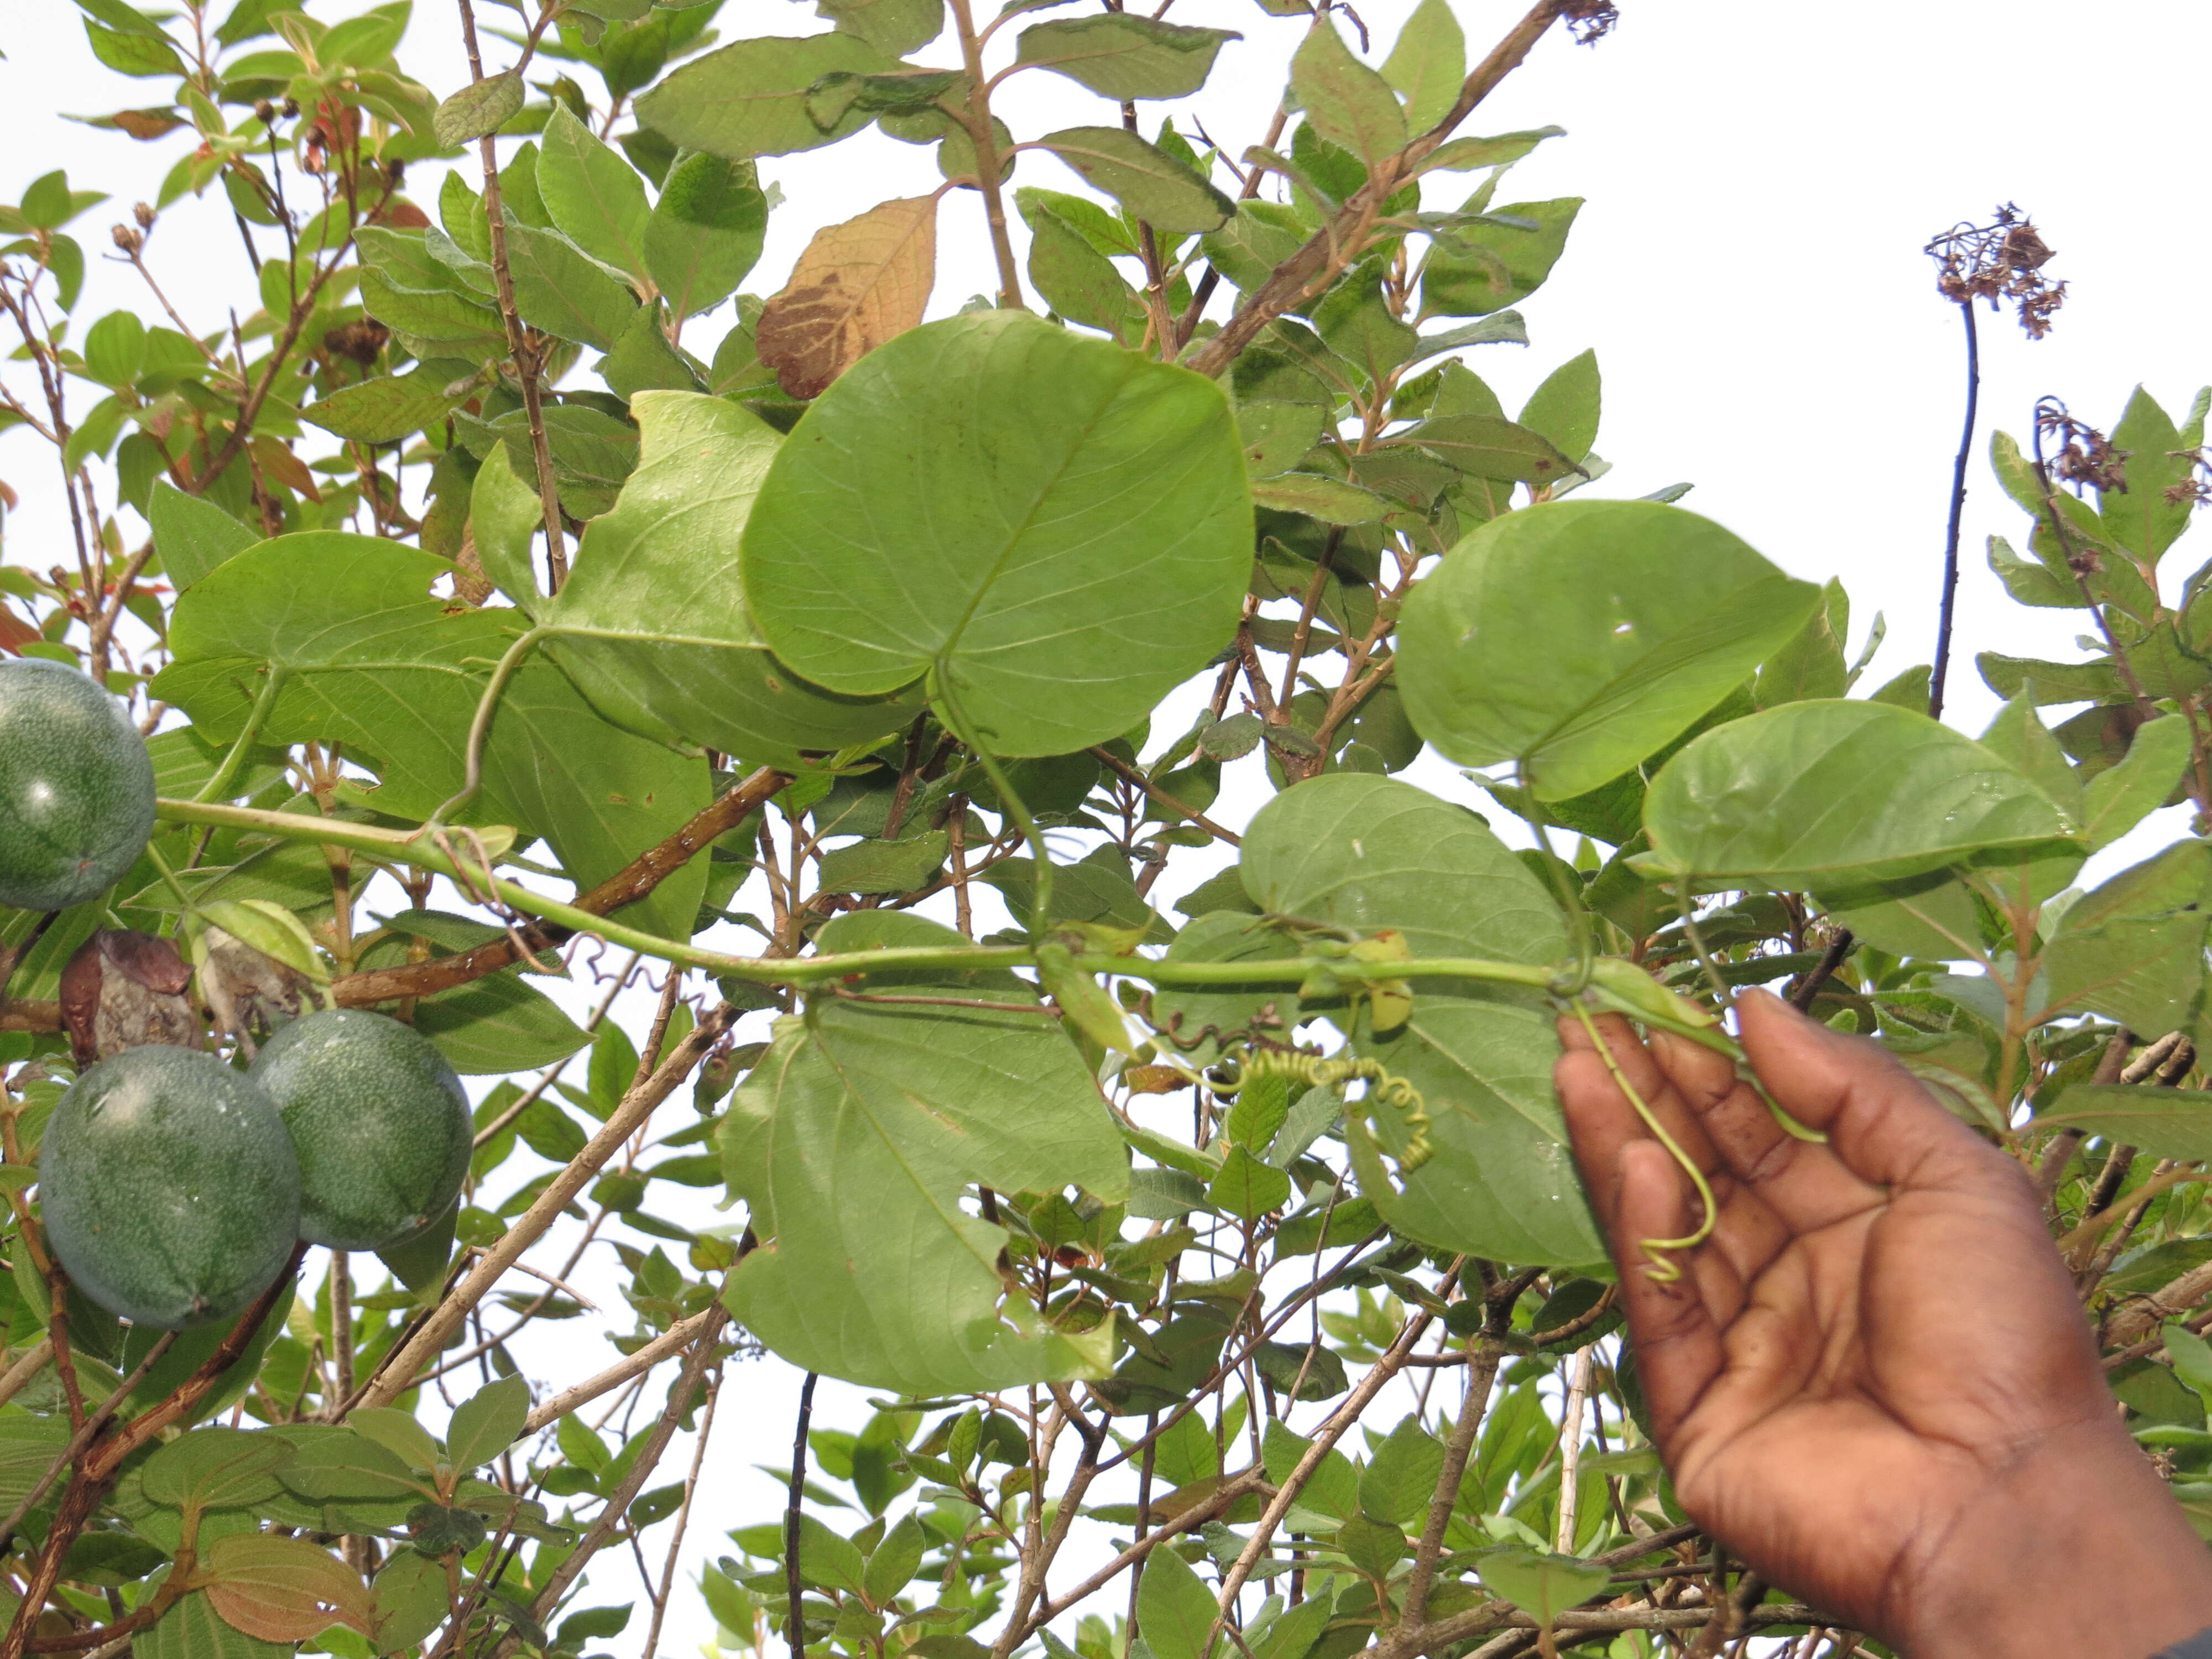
(264, 703)
(1944, 611)
(510, 663)
(399, 845)
(1661, 1269)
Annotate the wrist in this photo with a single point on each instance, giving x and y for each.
(2074, 1547)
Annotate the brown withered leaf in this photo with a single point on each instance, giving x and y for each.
(1154, 1079)
(246, 991)
(470, 585)
(121, 989)
(146, 123)
(857, 285)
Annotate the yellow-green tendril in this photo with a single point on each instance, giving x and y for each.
(1662, 1269)
(1622, 987)
(1316, 1073)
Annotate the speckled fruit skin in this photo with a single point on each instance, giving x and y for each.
(381, 1123)
(76, 786)
(169, 1187)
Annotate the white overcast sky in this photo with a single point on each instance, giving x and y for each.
(1761, 175)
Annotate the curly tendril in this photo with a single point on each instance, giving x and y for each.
(1661, 1268)
(1315, 1072)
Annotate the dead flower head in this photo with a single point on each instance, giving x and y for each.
(359, 340)
(1999, 261)
(2085, 456)
(1589, 21)
(2196, 485)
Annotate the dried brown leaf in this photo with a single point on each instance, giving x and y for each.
(858, 284)
(121, 989)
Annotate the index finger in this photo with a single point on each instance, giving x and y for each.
(1882, 1123)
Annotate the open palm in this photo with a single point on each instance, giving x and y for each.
(1870, 1378)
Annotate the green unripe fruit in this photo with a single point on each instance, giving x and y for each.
(381, 1123)
(170, 1191)
(76, 786)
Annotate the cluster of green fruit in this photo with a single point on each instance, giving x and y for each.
(172, 1185)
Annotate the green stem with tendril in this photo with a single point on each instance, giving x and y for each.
(1662, 1269)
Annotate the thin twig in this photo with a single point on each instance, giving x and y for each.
(93, 1424)
(683, 1521)
(1340, 241)
(1324, 1440)
(34, 1361)
(1570, 1450)
(674, 1340)
(1483, 1352)
(612, 1514)
(1131, 774)
(1807, 990)
(518, 343)
(397, 1372)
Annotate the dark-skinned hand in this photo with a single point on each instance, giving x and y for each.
(1874, 1384)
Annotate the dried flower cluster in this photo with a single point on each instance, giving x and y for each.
(1590, 21)
(2196, 486)
(2086, 456)
(1999, 261)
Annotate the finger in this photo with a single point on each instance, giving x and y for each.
(1801, 1184)
(1602, 1121)
(1771, 1353)
(1589, 1076)
(1882, 1124)
(1678, 1341)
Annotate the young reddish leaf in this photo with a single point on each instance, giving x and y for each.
(283, 1590)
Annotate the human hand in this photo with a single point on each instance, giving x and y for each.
(1874, 1382)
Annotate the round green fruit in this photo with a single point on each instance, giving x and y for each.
(170, 1190)
(76, 786)
(381, 1123)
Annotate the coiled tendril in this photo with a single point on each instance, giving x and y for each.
(1315, 1071)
